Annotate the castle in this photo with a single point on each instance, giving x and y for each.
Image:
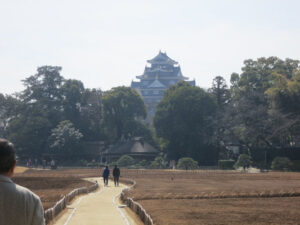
(158, 77)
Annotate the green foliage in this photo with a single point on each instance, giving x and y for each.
(29, 131)
(91, 115)
(227, 164)
(260, 111)
(112, 164)
(39, 111)
(296, 165)
(48, 99)
(158, 163)
(244, 161)
(252, 117)
(121, 108)
(281, 163)
(187, 163)
(73, 91)
(43, 91)
(220, 91)
(142, 163)
(9, 109)
(184, 119)
(125, 161)
(65, 138)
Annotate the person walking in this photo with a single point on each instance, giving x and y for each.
(105, 175)
(116, 174)
(18, 204)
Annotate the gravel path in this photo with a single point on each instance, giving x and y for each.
(100, 207)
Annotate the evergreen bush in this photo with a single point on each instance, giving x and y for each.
(187, 163)
(296, 165)
(226, 164)
(281, 163)
(125, 160)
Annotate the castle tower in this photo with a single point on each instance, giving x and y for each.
(158, 77)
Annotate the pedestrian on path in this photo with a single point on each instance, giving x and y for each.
(18, 204)
(105, 175)
(116, 174)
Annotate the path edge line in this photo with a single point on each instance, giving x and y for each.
(60, 205)
(135, 206)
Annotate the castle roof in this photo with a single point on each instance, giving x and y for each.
(132, 146)
(156, 84)
(162, 58)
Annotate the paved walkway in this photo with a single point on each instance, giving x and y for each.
(100, 207)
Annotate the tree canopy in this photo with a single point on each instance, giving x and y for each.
(122, 109)
(184, 118)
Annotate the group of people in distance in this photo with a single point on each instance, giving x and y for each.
(116, 175)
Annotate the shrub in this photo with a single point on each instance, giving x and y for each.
(226, 164)
(187, 163)
(158, 163)
(113, 164)
(281, 163)
(142, 163)
(296, 165)
(125, 160)
(244, 161)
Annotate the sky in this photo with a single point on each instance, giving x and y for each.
(106, 43)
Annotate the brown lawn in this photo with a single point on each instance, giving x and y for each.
(51, 185)
(153, 186)
(164, 194)
(224, 211)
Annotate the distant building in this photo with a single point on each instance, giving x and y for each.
(159, 76)
(136, 148)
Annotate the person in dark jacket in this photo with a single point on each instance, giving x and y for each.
(105, 175)
(116, 174)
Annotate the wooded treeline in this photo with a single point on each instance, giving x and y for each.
(258, 111)
(54, 115)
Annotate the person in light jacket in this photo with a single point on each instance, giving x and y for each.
(19, 206)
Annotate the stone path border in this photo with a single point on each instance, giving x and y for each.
(134, 206)
(51, 213)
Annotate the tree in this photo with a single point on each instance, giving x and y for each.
(121, 107)
(221, 95)
(187, 163)
(91, 115)
(125, 160)
(220, 91)
(39, 111)
(9, 109)
(72, 92)
(184, 119)
(251, 117)
(65, 138)
(43, 90)
(29, 131)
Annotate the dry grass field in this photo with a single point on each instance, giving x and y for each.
(50, 185)
(190, 197)
(20, 169)
(186, 198)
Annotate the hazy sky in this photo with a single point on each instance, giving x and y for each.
(106, 43)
